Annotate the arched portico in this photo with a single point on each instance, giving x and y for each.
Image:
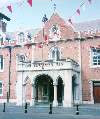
(44, 89)
(55, 83)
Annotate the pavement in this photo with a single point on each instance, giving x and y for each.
(40, 112)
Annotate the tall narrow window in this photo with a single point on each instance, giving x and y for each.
(21, 37)
(1, 62)
(55, 53)
(1, 88)
(95, 56)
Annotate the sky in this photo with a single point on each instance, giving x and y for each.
(26, 17)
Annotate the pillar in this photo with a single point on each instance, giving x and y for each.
(55, 102)
(33, 92)
(68, 99)
(19, 91)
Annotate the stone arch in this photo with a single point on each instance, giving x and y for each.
(44, 88)
(27, 87)
(60, 90)
(27, 80)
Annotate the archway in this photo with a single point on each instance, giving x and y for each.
(44, 89)
(60, 91)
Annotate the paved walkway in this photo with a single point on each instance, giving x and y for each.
(15, 112)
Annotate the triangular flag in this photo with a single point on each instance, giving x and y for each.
(70, 21)
(90, 1)
(30, 2)
(78, 11)
(39, 45)
(45, 37)
(9, 8)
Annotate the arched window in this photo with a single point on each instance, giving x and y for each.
(55, 53)
(21, 37)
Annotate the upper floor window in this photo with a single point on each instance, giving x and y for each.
(21, 37)
(96, 56)
(29, 36)
(1, 40)
(55, 53)
(20, 57)
(1, 87)
(1, 62)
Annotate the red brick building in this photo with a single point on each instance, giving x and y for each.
(58, 64)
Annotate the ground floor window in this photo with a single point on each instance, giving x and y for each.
(1, 88)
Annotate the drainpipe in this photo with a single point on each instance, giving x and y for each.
(9, 80)
(80, 62)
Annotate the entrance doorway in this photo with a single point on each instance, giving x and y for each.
(96, 92)
(60, 91)
(44, 89)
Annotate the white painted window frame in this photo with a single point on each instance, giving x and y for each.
(50, 53)
(91, 60)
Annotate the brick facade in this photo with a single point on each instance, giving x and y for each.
(69, 46)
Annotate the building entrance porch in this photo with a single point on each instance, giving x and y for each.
(59, 83)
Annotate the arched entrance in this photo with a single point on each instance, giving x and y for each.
(44, 89)
(60, 91)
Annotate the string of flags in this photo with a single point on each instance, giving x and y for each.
(78, 11)
(45, 19)
(30, 2)
(10, 5)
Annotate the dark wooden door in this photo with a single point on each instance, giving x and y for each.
(97, 94)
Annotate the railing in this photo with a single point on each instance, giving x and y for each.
(57, 65)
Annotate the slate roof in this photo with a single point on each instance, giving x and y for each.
(88, 26)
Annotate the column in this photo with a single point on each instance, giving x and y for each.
(33, 95)
(55, 102)
(19, 85)
(24, 93)
(68, 99)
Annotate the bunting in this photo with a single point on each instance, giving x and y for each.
(78, 11)
(70, 21)
(39, 45)
(90, 1)
(30, 2)
(9, 8)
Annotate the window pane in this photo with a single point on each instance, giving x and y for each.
(94, 63)
(0, 91)
(1, 62)
(0, 85)
(94, 60)
(95, 57)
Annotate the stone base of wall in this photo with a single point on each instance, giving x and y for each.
(10, 101)
(88, 102)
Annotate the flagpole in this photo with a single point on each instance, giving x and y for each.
(42, 45)
(44, 20)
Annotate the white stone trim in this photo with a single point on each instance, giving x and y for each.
(10, 100)
(91, 89)
(88, 102)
